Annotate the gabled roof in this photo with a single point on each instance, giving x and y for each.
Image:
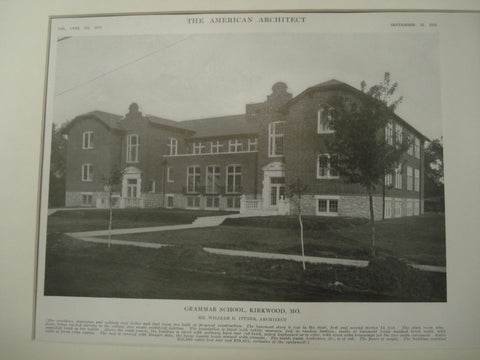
(168, 123)
(109, 120)
(335, 84)
(220, 126)
(330, 84)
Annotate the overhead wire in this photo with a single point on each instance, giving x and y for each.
(121, 66)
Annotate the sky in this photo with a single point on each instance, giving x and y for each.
(192, 76)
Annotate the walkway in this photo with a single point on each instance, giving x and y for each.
(210, 221)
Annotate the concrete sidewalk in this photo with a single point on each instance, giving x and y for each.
(200, 222)
(211, 221)
(255, 254)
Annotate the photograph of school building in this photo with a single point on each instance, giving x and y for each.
(242, 162)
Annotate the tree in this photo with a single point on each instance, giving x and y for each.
(56, 193)
(113, 180)
(295, 192)
(434, 184)
(363, 155)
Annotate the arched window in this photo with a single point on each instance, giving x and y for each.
(324, 119)
(326, 166)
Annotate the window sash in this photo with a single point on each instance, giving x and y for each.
(324, 168)
(275, 138)
(388, 208)
(193, 201)
(324, 116)
(398, 208)
(327, 206)
(169, 175)
(87, 140)
(233, 203)
(235, 145)
(193, 179)
(87, 173)
(416, 149)
(215, 148)
(198, 148)
(398, 135)
(212, 179)
(234, 178)
(132, 148)
(213, 202)
(172, 146)
(388, 179)
(252, 144)
(416, 180)
(170, 202)
(398, 177)
(87, 199)
(389, 134)
(409, 178)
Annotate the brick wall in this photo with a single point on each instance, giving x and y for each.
(104, 156)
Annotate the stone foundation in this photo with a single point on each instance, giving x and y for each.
(351, 206)
(152, 200)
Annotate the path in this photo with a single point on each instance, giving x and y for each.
(210, 221)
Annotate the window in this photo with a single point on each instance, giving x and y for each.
(411, 145)
(132, 148)
(388, 179)
(132, 188)
(324, 118)
(87, 172)
(398, 135)
(215, 147)
(389, 133)
(193, 179)
(252, 144)
(172, 146)
(212, 179)
(327, 205)
(87, 140)
(416, 149)
(398, 177)
(152, 186)
(416, 207)
(388, 208)
(87, 199)
(398, 207)
(235, 145)
(416, 183)
(169, 175)
(234, 178)
(213, 202)
(325, 170)
(410, 207)
(169, 201)
(409, 178)
(275, 138)
(193, 202)
(233, 203)
(198, 148)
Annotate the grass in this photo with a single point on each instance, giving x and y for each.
(185, 271)
(97, 219)
(419, 239)
(77, 268)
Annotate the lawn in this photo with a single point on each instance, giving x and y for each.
(78, 268)
(419, 239)
(97, 219)
(185, 271)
